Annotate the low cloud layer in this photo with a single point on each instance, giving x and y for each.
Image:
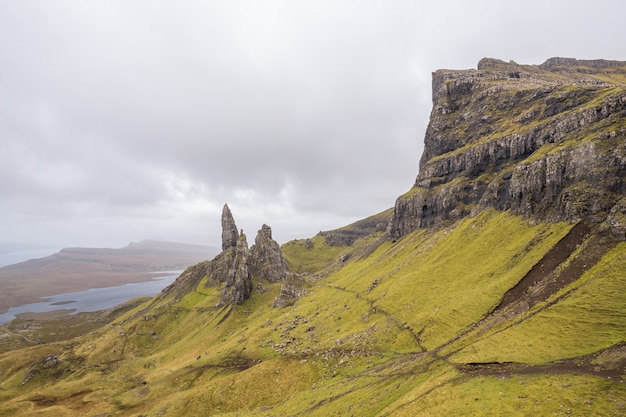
(128, 120)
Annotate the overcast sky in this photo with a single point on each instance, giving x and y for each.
(125, 120)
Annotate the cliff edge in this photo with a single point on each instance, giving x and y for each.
(545, 141)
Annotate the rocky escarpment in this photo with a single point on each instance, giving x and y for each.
(347, 235)
(547, 142)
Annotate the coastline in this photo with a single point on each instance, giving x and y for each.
(91, 299)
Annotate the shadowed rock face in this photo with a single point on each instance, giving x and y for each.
(230, 235)
(266, 260)
(238, 279)
(547, 142)
(237, 266)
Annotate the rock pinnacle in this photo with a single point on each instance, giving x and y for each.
(229, 229)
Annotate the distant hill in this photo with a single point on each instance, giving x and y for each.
(76, 269)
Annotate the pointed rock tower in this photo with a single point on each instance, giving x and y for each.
(239, 282)
(266, 259)
(230, 235)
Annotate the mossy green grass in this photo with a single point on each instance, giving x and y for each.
(368, 339)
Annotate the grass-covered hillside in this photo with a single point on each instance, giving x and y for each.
(489, 316)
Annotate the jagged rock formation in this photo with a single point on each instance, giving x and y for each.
(547, 142)
(230, 236)
(266, 260)
(237, 266)
(238, 278)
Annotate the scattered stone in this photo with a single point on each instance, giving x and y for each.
(373, 285)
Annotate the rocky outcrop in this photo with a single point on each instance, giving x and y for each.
(579, 64)
(187, 281)
(542, 141)
(263, 262)
(237, 269)
(230, 236)
(293, 289)
(347, 235)
(617, 219)
(266, 260)
(47, 364)
(238, 279)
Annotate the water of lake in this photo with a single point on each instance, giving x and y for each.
(94, 299)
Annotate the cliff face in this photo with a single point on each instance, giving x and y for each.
(547, 142)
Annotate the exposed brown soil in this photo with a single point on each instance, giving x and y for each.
(543, 280)
(556, 270)
(608, 363)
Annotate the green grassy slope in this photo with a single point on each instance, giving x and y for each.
(399, 332)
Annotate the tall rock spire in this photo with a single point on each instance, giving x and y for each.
(239, 282)
(230, 235)
(267, 261)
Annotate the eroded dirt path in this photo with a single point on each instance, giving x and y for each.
(564, 264)
(594, 364)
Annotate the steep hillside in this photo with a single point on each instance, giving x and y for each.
(468, 302)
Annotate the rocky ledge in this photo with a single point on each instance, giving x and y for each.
(547, 142)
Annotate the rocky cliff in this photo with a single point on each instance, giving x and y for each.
(547, 142)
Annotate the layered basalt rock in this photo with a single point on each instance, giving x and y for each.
(547, 142)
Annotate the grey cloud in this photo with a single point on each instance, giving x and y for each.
(142, 118)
